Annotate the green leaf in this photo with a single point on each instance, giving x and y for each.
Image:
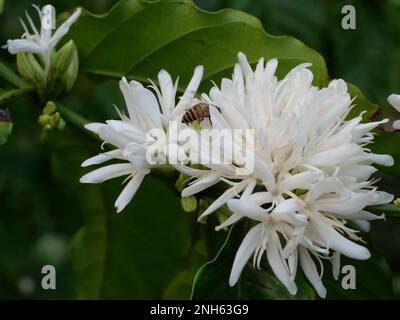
(211, 280)
(373, 280)
(133, 255)
(137, 39)
(1, 6)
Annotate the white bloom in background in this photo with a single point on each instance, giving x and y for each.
(394, 100)
(41, 43)
(312, 170)
(146, 111)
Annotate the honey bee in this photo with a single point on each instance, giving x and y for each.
(198, 112)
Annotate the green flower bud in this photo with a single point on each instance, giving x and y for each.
(72, 72)
(64, 67)
(189, 204)
(51, 118)
(44, 119)
(50, 108)
(32, 71)
(6, 125)
(61, 124)
(397, 202)
(54, 119)
(181, 182)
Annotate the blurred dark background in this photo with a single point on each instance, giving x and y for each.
(37, 218)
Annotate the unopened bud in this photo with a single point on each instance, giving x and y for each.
(64, 67)
(32, 71)
(189, 204)
(181, 182)
(51, 118)
(44, 119)
(71, 74)
(50, 108)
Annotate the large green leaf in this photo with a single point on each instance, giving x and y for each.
(138, 38)
(373, 280)
(211, 280)
(130, 255)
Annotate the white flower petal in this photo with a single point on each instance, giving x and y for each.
(244, 64)
(221, 200)
(365, 215)
(345, 206)
(244, 252)
(363, 225)
(287, 206)
(394, 100)
(278, 266)
(380, 197)
(102, 157)
(186, 99)
(167, 92)
(106, 173)
(95, 126)
(129, 191)
(64, 28)
(231, 220)
(23, 45)
(190, 171)
(310, 270)
(382, 159)
(248, 209)
(201, 184)
(339, 243)
(300, 180)
(261, 198)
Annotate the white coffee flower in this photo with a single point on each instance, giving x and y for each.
(147, 111)
(394, 100)
(41, 43)
(311, 171)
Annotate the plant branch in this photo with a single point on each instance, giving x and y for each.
(15, 93)
(75, 119)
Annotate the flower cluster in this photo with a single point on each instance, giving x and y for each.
(48, 70)
(41, 42)
(146, 111)
(311, 164)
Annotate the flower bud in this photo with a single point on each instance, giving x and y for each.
(50, 118)
(5, 125)
(71, 74)
(64, 66)
(32, 71)
(189, 204)
(50, 108)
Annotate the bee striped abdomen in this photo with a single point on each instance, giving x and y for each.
(199, 112)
